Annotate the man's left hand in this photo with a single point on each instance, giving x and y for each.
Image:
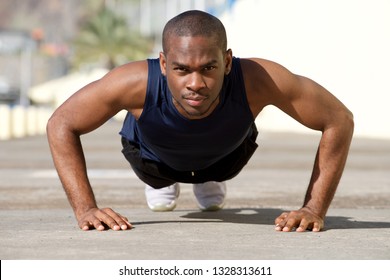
(301, 220)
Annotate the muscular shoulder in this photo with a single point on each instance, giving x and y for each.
(127, 84)
(265, 81)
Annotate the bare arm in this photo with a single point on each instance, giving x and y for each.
(86, 110)
(315, 107)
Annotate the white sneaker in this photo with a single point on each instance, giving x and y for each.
(164, 199)
(210, 195)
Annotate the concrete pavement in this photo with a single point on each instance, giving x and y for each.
(36, 221)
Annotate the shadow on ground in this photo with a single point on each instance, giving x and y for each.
(265, 216)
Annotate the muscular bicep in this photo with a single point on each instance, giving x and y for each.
(94, 104)
(308, 102)
(302, 98)
(268, 83)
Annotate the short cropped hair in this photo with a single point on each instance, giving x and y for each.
(195, 23)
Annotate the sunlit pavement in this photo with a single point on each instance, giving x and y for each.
(36, 221)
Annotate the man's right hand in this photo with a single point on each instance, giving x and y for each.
(102, 219)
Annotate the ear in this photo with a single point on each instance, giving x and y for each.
(228, 61)
(163, 64)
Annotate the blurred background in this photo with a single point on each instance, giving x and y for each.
(51, 48)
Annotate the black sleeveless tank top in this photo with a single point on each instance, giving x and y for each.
(164, 135)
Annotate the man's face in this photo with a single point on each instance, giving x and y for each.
(195, 69)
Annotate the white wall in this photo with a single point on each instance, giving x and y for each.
(342, 44)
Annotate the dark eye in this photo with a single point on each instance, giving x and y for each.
(209, 68)
(180, 69)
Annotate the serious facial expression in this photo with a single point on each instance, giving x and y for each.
(195, 68)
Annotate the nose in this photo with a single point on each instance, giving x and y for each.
(195, 82)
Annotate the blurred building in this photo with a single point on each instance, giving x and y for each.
(16, 49)
(36, 35)
(150, 16)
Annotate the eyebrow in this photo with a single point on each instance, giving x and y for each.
(178, 64)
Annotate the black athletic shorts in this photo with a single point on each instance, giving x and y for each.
(159, 175)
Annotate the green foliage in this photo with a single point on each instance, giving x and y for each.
(106, 40)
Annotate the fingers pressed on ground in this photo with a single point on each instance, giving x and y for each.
(118, 221)
(316, 227)
(85, 226)
(303, 226)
